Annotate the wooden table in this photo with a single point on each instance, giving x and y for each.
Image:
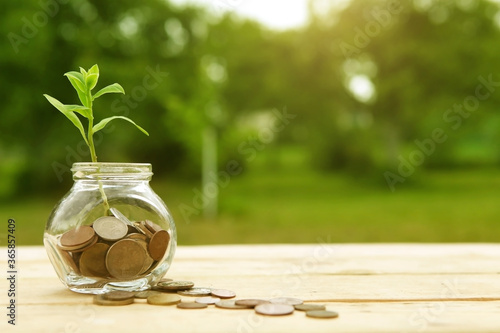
(373, 287)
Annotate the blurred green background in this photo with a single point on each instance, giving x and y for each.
(374, 121)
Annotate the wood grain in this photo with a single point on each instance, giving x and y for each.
(374, 287)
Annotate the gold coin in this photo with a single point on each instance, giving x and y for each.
(309, 307)
(100, 300)
(207, 300)
(164, 299)
(322, 314)
(250, 302)
(273, 309)
(286, 300)
(87, 246)
(230, 304)
(76, 238)
(175, 285)
(148, 261)
(153, 227)
(118, 295)
(158, 244)
(223, 293)
(191, 305)
(195, 292)
(137, 236)
(110, 228)
(93, 261)
(125, 259)
(145, 293)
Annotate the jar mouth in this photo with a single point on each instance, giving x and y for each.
(111, 171)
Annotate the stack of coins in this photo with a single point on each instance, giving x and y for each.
(114, 248)
(167, 292)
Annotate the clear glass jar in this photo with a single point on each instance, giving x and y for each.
(109, 224)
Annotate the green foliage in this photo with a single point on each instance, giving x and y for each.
(83, 83)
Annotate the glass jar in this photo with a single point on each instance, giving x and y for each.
(111, 231)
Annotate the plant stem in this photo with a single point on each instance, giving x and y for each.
(94, 156)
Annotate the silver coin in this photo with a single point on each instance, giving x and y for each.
(110, 228)
(273, 309)
(195, 292)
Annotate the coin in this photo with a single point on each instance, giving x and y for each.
(250, 302)
(137, 236)
(191, 305)
(286, 300)
(158, 244)
(148, 261)
(223, 293)
(195, 292)
(164, 299)
(125, 259)
(207, 300)
(118, 295)
(145, 294)
(100, 300)
(93, 261)
(110, 228)
(153, 227)
(77, 237)
(86, 246)
(309, 307)
(273, 309)
(143, 229)
(68, 259)
(230, 304)
(322, 314)
(175, 285)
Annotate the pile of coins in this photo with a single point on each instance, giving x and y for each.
(168, 292)
(114, 247)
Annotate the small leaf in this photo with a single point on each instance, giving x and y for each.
(94, 69)
(91, 80)
(83, 110)
(112, 88)
(105, 121)
(76, 80)
(83, 71)
(69, 114)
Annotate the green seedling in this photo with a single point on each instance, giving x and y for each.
(84, 82)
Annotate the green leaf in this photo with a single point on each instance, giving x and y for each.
(76, 80)
(83, 71)
(69, 114)
(83, 110)
(105, 121)
(94, 69)
(112, 88)
(91, 80)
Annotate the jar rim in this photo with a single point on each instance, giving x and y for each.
(111, 170)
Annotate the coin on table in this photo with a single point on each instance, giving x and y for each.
(309, 307)
(286, 300)
(100, 300)
(125, 259)
(76, 238)
(158, 244)
(110, 228)
(274, 309)
(118, 295)
(322, 314)
(175, 285)
(207, 300)
(223, 293)
(250, 302)
(195, 292)
(164, 299)
(191, 305)
(230, 304)
(93, 261)
(145, 293)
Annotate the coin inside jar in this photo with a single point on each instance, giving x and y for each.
(158, 244)
(110, 228)
(125, 259)
(93, 261)
(77, 238)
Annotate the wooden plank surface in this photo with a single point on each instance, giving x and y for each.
(374, 287)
